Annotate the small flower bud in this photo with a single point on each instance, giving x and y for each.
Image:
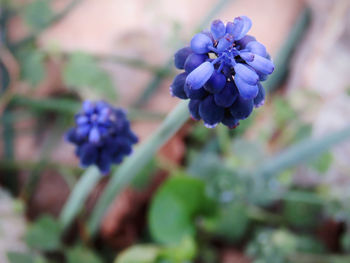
(241, 26)
(180, 57)
(259, 100)
(218, 29)
(241, 108)
(216, 82)
(225, 43)
(210, 112)
(246, 74)
(177, 87)
(193, 61)
(226, 96)
(193, 107)
(256, 48)
(198, 77)
(200, 43)
(246, 91)
(262, 64)
(229, 120)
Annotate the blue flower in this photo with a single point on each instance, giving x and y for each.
(102, 135)
(223, 70)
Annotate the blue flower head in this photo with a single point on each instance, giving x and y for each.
(102, 135)
(223, 69)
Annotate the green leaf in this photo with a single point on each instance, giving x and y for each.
(309, 244)
(183, 252)
(283, 111)
(82, 72)
(19, 257)
(23, 257)
(44, 234)
(82, 254)
(230, 223)
(135, 163)
(174, 207)
(32, 65)
(78, 196)
(301, 214)
(139, 254)
(38, 14)
(323, 162)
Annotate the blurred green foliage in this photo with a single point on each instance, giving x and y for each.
(82, 73)
(234, 189)
(32, 65)
(174, 208)
(44, 234)
(38, 14)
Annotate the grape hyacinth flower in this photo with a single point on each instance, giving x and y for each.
(223, 69)
(102, 135)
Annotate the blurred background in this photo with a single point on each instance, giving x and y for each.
(276, 189)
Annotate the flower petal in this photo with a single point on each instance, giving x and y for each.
(246, 74)
(229, 120)
(225, 43)
(218, 29)
(240, 27)
(216, 82)
(227, 95)
(193, 107)
(193, 61)
(259, 100)
(180, 57)
(177, 87)
(241, 108)
(200, 43)
(247, 56)
(242, 43)
(210, 112)
(198, 77)
(196, 94)
(246, 91)
(88, 154)
(257, 48)
(262, 65)
(94, 135)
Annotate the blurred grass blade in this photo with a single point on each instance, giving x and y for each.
(303, 152)
(79, 194)
(132, 165)
(285, 53)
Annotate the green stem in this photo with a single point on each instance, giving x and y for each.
(131, 166)
(79, 194)
(302, 152)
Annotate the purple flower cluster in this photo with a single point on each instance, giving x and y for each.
(102, 135)
(223, 70)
